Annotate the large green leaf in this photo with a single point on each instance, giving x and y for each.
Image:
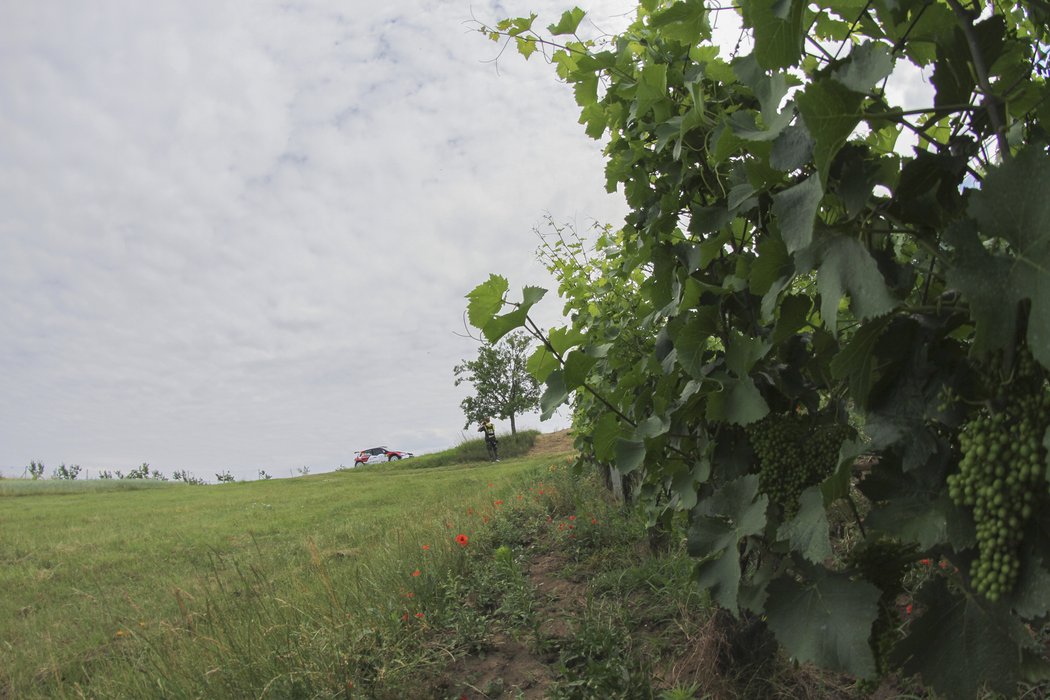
(569, 22)
(825, 620)
(778, 31)
(719, 523)
(486, 300)
(685, 22)
(868, 64)
(501, 325)
(604, 435)
(739, 402)
(796, 210)
(1012, 205)
(691, 338)
(831, 111)
(554, 395)
(630, 454)
(808, 530)
(847, 267)
(857, 359)
(913, 518)
(960, 643)
(541, 363)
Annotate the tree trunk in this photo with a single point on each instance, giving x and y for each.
(513, 430)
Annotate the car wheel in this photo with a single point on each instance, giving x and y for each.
(391, 458)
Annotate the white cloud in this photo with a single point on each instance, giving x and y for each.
(238, 235)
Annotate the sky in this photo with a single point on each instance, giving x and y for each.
(237, 236)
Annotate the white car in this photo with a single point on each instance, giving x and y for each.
(376, 454)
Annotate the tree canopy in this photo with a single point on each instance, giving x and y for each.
(503, 387)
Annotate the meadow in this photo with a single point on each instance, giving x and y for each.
(426, 578)
(103, 584)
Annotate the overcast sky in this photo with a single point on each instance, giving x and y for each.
(238, 235)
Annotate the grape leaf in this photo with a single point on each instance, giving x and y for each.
(501, 325)
(1012, 204)
(569, 22)
(629, 454)
(831, 111)
(719, 523)
(739, 402)
(796, 209)
(808, 530)
(554, 395)
(778, 30)
(847, 266)
(825, 620)
(913, 518)
(486, 300)
(868, 64)
(604, 435)
(541, 363)
(960, 643)
(857, 359)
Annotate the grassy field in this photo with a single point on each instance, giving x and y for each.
(521, 579)
(97, 579)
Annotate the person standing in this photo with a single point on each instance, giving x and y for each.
(490, 439)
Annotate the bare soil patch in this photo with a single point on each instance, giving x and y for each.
(559, 442)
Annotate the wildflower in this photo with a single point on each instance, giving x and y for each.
(461, 540)
(541, 492)
(404, 618)
(924, 562)
(944, 564)
(426, 547)
(410, 594)
(594, 521)
(572, 527)
(908, 609)
(420, 615)
(572, 517)
(490, 485)
(416, 573)
(498, 503)
(120, 633)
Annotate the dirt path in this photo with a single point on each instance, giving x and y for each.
(552, 443)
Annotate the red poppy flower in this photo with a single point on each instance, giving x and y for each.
(499, 503)
(417, 572)
(572, 517)
(461, 540)
(426, 547)
(594, 521)
(924, 562)
(908, 609)
(420, 615)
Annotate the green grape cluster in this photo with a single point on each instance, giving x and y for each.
(794, 452)
(1002, 477)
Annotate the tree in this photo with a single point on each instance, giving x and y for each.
(808, 253)
(502, 384)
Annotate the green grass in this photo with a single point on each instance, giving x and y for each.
(352, 585)
(97, 580)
